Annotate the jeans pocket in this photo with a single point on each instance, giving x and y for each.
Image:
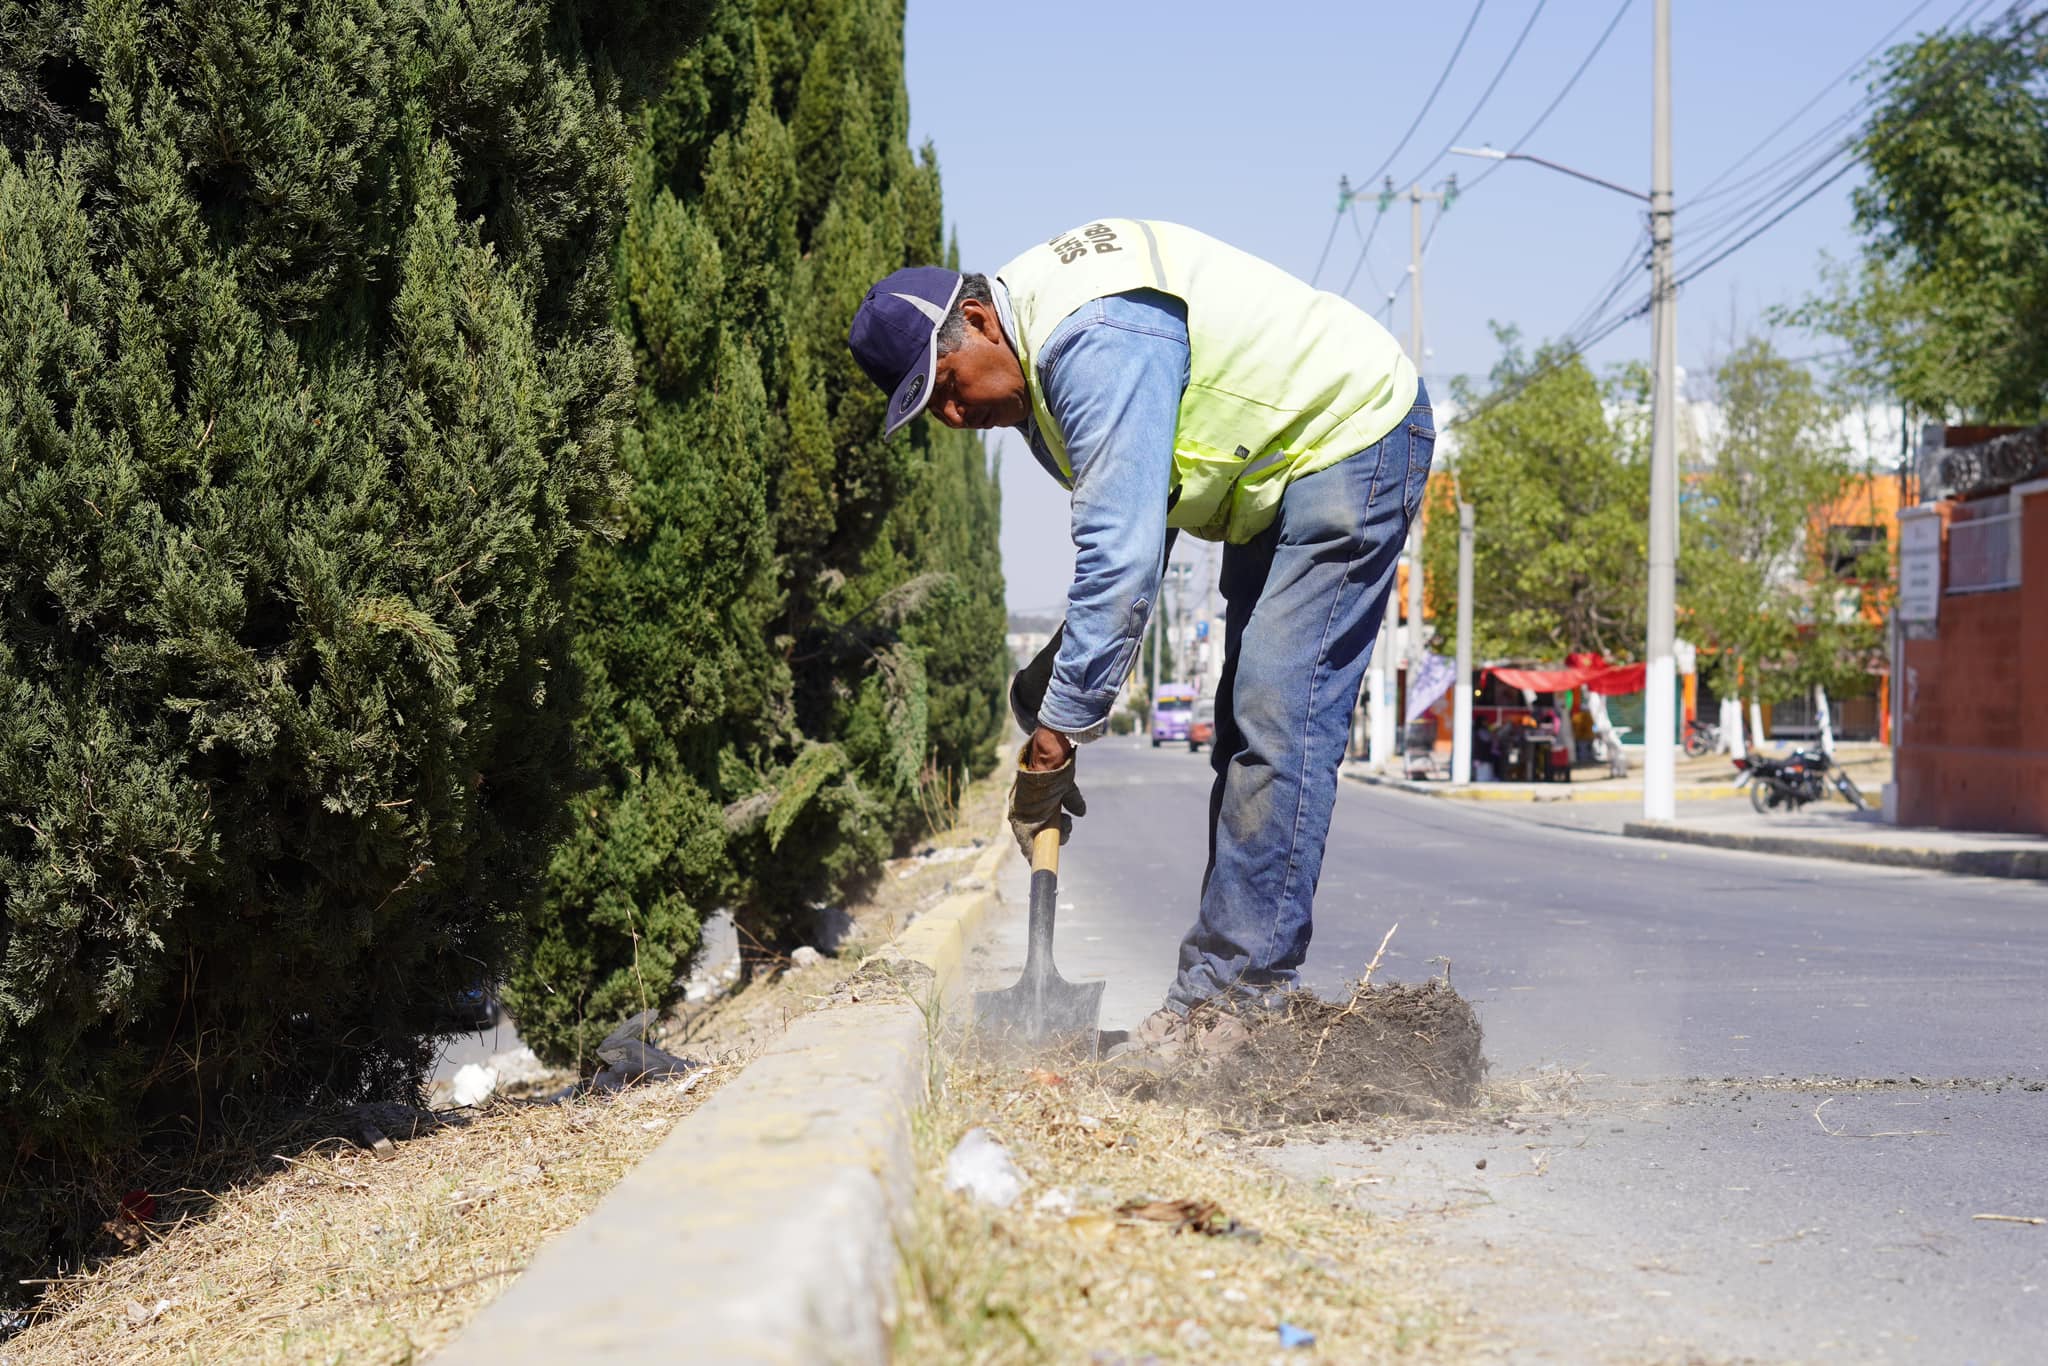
(1421, 450)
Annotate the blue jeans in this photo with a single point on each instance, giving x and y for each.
(1302, 605)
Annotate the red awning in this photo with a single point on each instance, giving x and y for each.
(1608, 680)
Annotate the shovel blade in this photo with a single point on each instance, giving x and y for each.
(1040, 1014)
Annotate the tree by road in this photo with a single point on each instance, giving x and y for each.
(1947, 307)
(1560, 489)
(1766, 589)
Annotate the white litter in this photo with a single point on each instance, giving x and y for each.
(473, 1085)
(980, 1165)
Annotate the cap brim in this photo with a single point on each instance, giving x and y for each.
(914, 390)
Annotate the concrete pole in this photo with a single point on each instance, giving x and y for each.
(1660, 718)
(1158, 643)
(1415, 197)
(1461, 702)
(1380, 712)
(1826, 720)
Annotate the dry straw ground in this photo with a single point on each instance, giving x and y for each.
(324, 1251)
(1149, 1229)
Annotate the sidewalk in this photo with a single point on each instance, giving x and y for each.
(1712, 811)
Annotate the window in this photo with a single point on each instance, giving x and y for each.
(1848, 545)
(1983, 546)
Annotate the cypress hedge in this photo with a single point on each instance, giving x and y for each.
(795, 648)
(309, 397)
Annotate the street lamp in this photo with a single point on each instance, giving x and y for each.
(1495, 154)
(1660, 677)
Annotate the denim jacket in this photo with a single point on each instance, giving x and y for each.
(1112, 373)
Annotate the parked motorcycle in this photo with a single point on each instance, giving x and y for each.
(1790, 782)
(1701, 737)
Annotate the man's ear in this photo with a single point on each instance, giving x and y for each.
(982, 318)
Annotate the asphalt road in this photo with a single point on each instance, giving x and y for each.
(1800, 1079)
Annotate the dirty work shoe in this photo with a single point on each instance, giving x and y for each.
(1205, 1032)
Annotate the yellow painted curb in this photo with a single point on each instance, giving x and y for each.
(939, 937)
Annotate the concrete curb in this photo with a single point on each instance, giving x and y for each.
(2013, 863)
(764, 1227)
(1695, 792)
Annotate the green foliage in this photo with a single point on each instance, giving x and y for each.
(1948, 306)
(1756, 588)
(1560, 494)
(308, 399)
(799, 630)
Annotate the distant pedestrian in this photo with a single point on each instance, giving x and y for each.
(1175, 383)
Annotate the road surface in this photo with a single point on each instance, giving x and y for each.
(1800, 1080)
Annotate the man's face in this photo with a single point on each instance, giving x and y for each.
(980, 385)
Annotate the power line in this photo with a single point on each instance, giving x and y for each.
(1487, 93)
(1420, 114)
(1706, 191)
(1334, 221)
(1576, 346)
(1748, 221)
(1558, 99)
(1435, 90)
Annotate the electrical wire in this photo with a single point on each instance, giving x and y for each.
(1487, 93)
(1477, 9)
(1435, 90)
(1750, 220)
(1583, 338)
(1339, 218)
(1558, 99)
(1708, 191)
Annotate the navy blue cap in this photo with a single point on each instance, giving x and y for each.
(895, 336)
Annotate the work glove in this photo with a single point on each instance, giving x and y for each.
(1042, 799)
(1028, 684)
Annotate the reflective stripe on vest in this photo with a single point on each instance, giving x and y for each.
(1283, 379)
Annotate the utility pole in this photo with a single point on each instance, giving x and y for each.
(1380, 704)
(1393, 651)
(1660, 721)
(1158, 648)
(1461, 704)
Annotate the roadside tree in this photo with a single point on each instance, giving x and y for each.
(1763, 588)
(1947, 306)
(1559, 489)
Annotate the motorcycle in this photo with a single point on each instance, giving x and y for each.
(1701, 737)
(1790, 782)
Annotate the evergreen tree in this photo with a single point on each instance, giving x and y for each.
(308, 398)
(801, 624)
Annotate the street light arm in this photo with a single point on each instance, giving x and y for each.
(1494, 154)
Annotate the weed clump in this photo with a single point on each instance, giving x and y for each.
(1404, 1049)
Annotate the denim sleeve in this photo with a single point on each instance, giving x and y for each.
(1113, 374)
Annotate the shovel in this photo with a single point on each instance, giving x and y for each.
(1043, 1008)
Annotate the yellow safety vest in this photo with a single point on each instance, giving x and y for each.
(1283, 379)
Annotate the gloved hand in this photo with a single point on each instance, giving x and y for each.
(1043, 797)
(1028, 684)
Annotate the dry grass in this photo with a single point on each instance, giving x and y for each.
(339, 1255)
(322, 1251)
(1052, 1283)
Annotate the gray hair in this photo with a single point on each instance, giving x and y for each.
(953, 330)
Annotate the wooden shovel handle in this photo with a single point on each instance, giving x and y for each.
(1045, 850)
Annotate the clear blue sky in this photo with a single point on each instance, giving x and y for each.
(1238, 119)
